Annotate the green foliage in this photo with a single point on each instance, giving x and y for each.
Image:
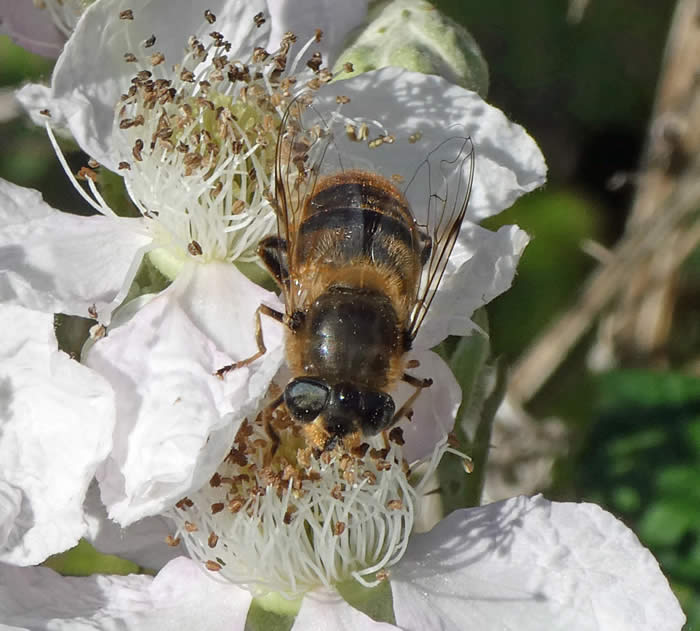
(642, 461)
(17, 65)
(551, 269)
(596, 72)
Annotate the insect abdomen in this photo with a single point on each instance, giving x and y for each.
(354, 335)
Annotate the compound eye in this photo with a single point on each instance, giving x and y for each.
(378, 412)
(306, 398)
(346, 397)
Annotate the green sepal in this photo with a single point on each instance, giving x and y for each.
(482, 392)
(376, 602)
(272, 612)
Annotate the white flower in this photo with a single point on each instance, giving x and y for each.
(187, 143)
(523, 563)
(174, 420)
(56, 420)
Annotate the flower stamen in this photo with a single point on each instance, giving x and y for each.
(279, 516)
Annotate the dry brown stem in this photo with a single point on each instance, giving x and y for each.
(637, 279)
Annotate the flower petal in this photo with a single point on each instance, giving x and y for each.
(532, 564)
(142, 542)
(31, 27)
(180, 597)
(61, 263)
(322, 610)
(175, 419)
(10, 506)
(482, 266)
(508, 162)
(303, 17)
(56, 419)
(91, 73)
(36, 99)
(435, 408)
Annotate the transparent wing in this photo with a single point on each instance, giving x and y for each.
(302, 144)
(447, 174)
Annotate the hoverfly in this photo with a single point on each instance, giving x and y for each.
(357, 272)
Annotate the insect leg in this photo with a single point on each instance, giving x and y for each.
(269, 429)
(268, 311)
(415, 382)
(418, 384)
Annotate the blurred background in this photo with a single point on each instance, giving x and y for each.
(600, 335)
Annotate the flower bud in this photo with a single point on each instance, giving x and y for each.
(413, 34)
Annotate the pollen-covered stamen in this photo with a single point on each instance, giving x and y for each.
(278, 516)
(198, 144)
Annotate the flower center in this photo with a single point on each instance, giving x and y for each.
(198, 145)
(278, 516)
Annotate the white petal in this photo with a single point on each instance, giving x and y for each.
(10, 506)
(91, 73)
(180, 597)
(435, 408)
(61, 263)
(35, 98)
(531, 564)
(193, 598)
(508, 162)
(303, 17)
(56, 419)
(142, 542)
(322, 611)
(31, 27)
(482, 266)
(175, 419)
(221, 301)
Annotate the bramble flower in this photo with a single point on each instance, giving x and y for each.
(522, 563)
(191, 179)
(191, 226)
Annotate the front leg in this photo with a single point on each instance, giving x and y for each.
(268, 311)
(418, 384)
